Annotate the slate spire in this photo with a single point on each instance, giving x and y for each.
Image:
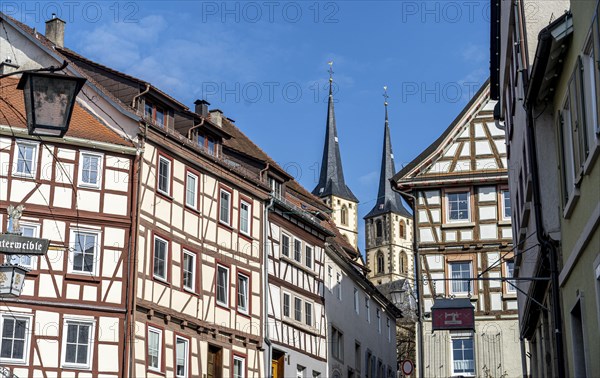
(387, 199)
(331, 179)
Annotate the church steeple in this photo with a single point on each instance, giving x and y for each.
(387, 200)
(331, 179)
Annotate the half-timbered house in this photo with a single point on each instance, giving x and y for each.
(463, 217)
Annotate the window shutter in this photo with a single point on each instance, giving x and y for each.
(582, 127)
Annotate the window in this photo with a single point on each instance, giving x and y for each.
(329, 277)
(300, 371)
(297, 309)
(84, 252)
(181, 357)
(579, 338)
(357, 358)
(402, 230)
(344, 215)
(26, 261)
(308, 256)
(285, 245)
(506, 208)
(161, 250)
(26, 158)
(368, 309)
(189, 270)
(297, 250)
(222, 285)
(379, 263)
(379, 228)
(208, 143)
(378, 312)
(356, 306)
(90, 169)
(338, 287)
(275, 187)
(154, 348)
(243, 285)
(403, 263)
(389, 329)
(164, 176)
(337, 344)
(308, 314)
(225, 207)
(463, 357)
(78, 343)
(239, 367)
(245, 212)
(15, 341)
(286, 305)
(155, 114)
(460, 272)
(191, 190)
(510, 268)
(458, 207)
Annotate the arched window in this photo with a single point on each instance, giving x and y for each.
(403, 263)
(402, 229)
(379, 228)
(344, 215)
(379, 263)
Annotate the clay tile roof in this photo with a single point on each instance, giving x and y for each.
(83, 124)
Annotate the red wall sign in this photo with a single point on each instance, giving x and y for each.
(453, 314)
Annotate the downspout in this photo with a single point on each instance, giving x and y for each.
(548, 244)
(136, 233)
(134, 100)
(269, 347)
(189, 133)
(417, 270)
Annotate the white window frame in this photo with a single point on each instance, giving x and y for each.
(289, 238)
(457, 336)
(368, 308)
(309, 257)
(356, 302)
(469, 282)
(245, 293)
(289, 297)
(79, 321)
(339, 285)
(298, 314)
(97, 252)
(34, 159)
(591, 101)
(166, 192)
(378, 314)
(338, 353)
(248, 219)
(26, 344)
(11, 259)
(307, 306)
(297, 252)
(329, 277)
(166, 260)
(194, 203)
(503, 198)
(226, 286)
(389, 329)
(193, 272)
(229, 199)
(159, 332)
(448, 207)
(242, 360)
(82, 155)
(510, 274)
(186, 356)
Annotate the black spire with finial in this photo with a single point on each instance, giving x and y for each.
(331, 179)
(387, 200)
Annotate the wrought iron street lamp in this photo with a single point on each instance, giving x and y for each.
(49, 99)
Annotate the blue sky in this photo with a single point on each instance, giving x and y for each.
(265, 65)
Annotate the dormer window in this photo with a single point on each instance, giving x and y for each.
(208, 143)
(155, 114)
(275, 187)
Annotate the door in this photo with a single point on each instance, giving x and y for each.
(214, 362)
(277, 364)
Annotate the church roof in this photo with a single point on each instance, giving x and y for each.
(331, 179)
(388, 201)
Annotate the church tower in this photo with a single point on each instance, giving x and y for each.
(388, 226)
(332, 188)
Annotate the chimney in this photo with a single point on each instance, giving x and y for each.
(216, 116)
(55, 30)
(201, 107)
(8, 66)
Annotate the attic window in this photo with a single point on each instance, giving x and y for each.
(380, 206)
(208, 143)
(154, 114)
(275, 187)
